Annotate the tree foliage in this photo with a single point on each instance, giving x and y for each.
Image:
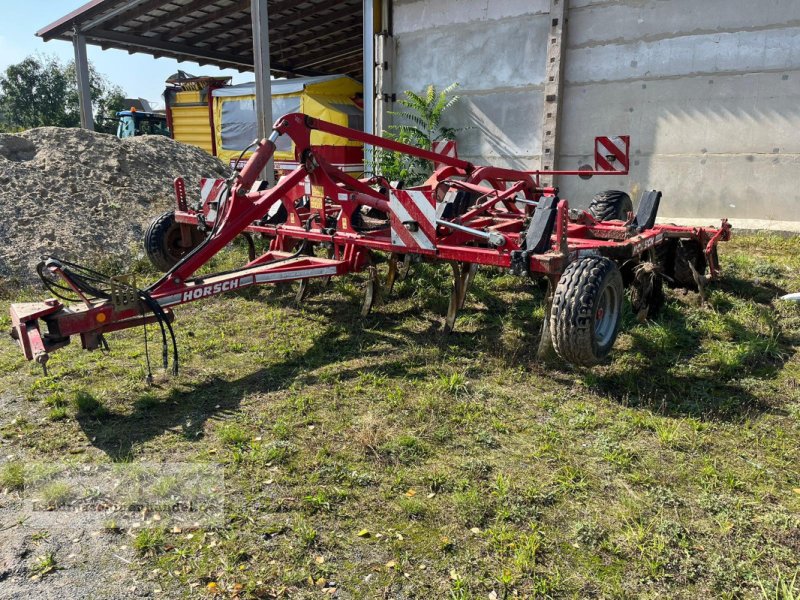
(421, 125)
(41, 91)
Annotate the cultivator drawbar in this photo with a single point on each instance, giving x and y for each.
(321, 222)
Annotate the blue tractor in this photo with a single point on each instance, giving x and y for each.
(134, 122)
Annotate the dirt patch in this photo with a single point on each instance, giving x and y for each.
(81, 195)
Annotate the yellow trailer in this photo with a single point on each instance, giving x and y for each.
(221, 119)
(334, 98)
(190, 109)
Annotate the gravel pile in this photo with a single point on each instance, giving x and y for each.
(82, 195)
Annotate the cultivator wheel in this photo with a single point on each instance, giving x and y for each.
(165, 243)
(611, 205)
(585, 316)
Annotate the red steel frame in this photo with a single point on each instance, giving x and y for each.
(506, 198)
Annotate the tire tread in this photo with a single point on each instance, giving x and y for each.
(572, 314)
(611, 205)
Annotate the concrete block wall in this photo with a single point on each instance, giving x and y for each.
(709, 92)
(493, 49)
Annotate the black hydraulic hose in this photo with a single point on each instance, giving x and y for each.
(96, 286)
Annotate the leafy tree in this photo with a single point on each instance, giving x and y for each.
(107, 99)
(32, 93)
(41, 91)
(421, 127)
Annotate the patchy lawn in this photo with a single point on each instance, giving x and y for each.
(377, 458)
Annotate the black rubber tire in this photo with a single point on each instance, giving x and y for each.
(688, 252)
(162, 241)
(585, 284)
(611, 205)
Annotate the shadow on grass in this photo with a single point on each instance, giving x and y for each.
(654, 380)
(673, 373)
(345, 337)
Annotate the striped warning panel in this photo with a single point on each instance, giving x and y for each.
(413, 219)
(210, 191)
(445, 147)
(611, 153)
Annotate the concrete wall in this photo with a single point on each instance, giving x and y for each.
(493, 50)
(709, 92)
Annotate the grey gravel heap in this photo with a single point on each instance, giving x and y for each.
(82, 195)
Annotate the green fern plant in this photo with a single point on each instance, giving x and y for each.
(421, 125)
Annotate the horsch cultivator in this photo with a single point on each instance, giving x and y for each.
(321, 222)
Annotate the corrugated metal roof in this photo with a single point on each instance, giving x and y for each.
(307, 37)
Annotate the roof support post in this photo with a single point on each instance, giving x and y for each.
(553, 88)
(84, 86)
(260, 17)
(384, 69)
(369, 76)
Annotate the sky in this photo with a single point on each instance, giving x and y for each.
(139, 75)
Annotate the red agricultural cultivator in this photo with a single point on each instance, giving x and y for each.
(322, 222)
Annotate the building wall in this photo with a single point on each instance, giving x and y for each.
(485, 46)
(709, 92)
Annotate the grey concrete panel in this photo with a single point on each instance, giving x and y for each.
(740, 52)
(510, 53)
(624, 22)
(504, 124)
(757, 113)
(523, 163)
(739, 187)
(418, 15)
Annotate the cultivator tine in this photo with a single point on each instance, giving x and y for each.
(468, 273)
(546, 351)
(405, 267)
(372, 291)
(701, 281)
(645, 288)
(302, 291)
(391, 275)
(463, 274)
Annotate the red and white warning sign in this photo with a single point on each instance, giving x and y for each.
(413, 219)
(612, 153)
(446, 147)
(210, 193)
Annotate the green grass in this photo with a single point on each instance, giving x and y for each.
(44, 564)
(668, 471)
(12, 476)
(149, 542)
(56, 494)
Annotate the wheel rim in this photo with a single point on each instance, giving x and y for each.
(605, 317)
(173, 243)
